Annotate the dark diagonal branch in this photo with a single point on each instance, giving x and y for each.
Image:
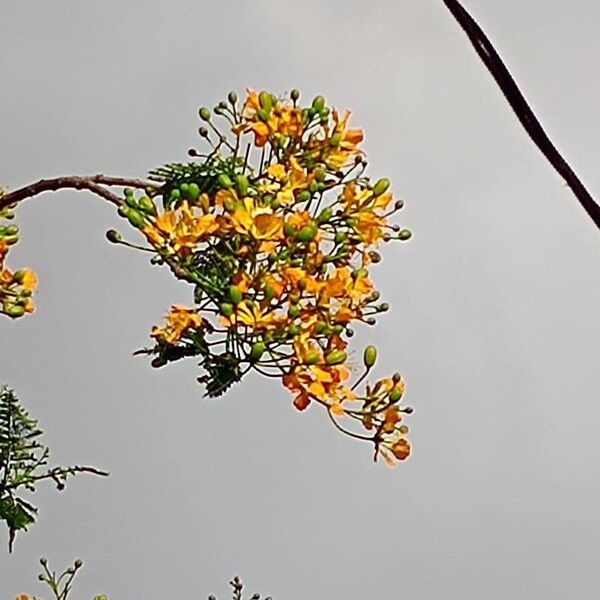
(93, 183)
(507, 84)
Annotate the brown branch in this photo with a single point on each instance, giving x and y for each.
(92, 183)
(509, 88)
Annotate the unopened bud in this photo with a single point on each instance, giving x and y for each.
(370, 356)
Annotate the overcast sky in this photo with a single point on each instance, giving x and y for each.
(494, 319)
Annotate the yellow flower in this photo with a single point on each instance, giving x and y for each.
(258, 221)
(178, 321)
(347, 141)
(181, 229)
(252, 316)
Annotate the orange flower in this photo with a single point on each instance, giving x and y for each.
(252, 316)
(181, 229)
(178, 321)
(258, 221)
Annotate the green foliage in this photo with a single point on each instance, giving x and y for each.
(23, 461)
(180, 180)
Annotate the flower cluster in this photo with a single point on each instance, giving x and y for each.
(16, 288)
(277, 228)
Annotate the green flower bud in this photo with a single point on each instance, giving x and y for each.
(337, 329)
(325, 215)
(78, 563)
(136, 218)
(242, 185)
(113, 236)
(174, 195)
(358, 273)
(307, 233)
(381, 186)
(269, 292)
(193, 191)
(336, 357)
(258, 349)
(304, 196)
(229, 205)
(14, 311)
(289, 230)
(335, 140)
(263, 114)
(318, 103)
(293, 330)
(320, 328)
(226, 309)
(184, 188)
(340, 236)
(294, 95)
(395, 395)
(235, 294)
(224, 181)
(204, 113)
(404, 235)
(147, 205)
(312, 358)
(266, 101)
(232, 97)
(294, 312)
(128, 192)
(131, 201)
(370, 356)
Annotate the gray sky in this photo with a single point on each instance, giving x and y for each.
(494, 321)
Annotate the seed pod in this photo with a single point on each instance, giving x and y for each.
(336, 357)
(381, 186)
(204, 113)
(242, 185)
(258, 349)
(224, 181)
(370, 356)
(226, 309)
(307, 233)
(318, 103)
(235, 294)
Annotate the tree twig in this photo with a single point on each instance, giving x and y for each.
(509, 88)
(92, 183)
